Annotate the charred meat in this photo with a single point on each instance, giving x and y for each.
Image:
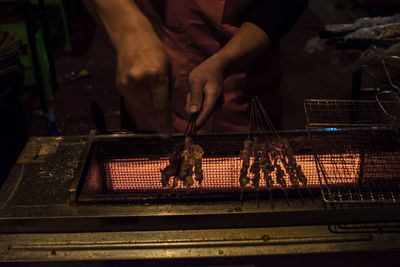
(181, 162)
(197, 154)
(243, 179)
(245, 155)
(280, 176)
(300, 175)
(255, 170)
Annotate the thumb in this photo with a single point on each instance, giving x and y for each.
(196, 97)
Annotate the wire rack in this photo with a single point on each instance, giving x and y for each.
(130, 169)
(357, 150)
(220, 175)
(344, 113)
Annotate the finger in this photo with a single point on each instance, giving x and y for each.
(160, 93)
(196, 96)
(153, 94)
(161, 106)
(187, 104)
(137, 88)
(209, 103)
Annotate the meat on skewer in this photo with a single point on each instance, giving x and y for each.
(292, 177)
(265, 162)
(166, 174)
(266, 165)
(255, 170)
(274, 150)
(188, 181)
(300, 175)
(268, 180)
(181, 162)
(291, 173)
(175, 181)
(197, 154)
(280, 176)
(171, 169)
(186, 168)
(243, 179)
(245, 154)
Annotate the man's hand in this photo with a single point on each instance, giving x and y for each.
(143, 79)
(143, 66)
(206, 79)
(206, 87)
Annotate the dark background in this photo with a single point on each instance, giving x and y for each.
(318, 75)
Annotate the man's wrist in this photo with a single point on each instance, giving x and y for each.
(249, 42)
(133, 39)
(123, 21)
(139, 32)
(220, 60)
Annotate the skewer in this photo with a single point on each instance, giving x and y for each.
(266, 118)
(274, 132)
(286, 195)
(268, 184)
(258, 201)
(191, 128)
(270, 198)
(256, 120)
(269, 123)
(260, 125)
(301, 195)
(256, 128)
(251, 118)
(311, 194)
(241, 196)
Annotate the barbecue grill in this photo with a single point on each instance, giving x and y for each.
(112, 172)
(101, 197)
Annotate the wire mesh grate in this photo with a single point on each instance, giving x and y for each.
(221, 174)
(342, 113)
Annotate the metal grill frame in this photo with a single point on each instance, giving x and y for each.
(34, 202)
(233, 141)
(358, 129)
(148, 182)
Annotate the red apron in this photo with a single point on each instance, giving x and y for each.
(194, 30)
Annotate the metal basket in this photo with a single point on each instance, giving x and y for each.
(357, 150)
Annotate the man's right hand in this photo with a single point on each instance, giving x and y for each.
(143, 66)
(143, 79)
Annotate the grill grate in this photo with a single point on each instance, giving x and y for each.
(221, 174)
(366, 160)
(344, 113)
(128, 169)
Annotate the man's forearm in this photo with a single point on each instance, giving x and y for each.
(122, 19)
(249, 42)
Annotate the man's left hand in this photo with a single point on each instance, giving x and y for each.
(205, 88)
